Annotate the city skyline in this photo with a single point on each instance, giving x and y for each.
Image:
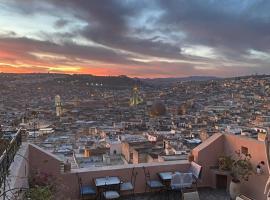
(138, 39)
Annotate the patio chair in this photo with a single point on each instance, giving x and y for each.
(150, 184)
(176, 183)
(186, 180)
(130, 185)
(111, 192)
(196, 171)
(187, 189)
(86, 191)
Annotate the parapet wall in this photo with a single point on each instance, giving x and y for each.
(208, 152)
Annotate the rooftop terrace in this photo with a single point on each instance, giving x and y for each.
(206, 155)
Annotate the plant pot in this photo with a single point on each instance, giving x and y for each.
(234, 189)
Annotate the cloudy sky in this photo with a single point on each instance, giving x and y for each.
(138, 38)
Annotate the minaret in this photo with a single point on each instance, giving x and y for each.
(58, 106)
(135, 97)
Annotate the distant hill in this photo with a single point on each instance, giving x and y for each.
(169, 81)
(79, 80)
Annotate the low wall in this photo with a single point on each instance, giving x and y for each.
(41, 160)
(124, 172)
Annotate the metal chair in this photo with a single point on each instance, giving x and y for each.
(150, 184)
(176, 183)
(111, 192)
(196, 171)
(86, 191)
(130, 185)
(187, 189)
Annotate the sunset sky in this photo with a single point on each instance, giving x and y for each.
(138, 38)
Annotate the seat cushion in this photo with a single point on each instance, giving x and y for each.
(88, 190)
(154, 184)
(191, 196)
(111, 195)
(126, 186)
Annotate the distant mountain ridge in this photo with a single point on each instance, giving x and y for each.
(168, 81)
(114, 81)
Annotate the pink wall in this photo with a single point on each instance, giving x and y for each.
(43, 161)
(207, 155)
(124, 172)
(255, 186)
(208, 152)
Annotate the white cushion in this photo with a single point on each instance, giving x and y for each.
(111, 195)
(126, 186)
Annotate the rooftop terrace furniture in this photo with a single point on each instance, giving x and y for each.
(108, 187)
(111, 192)
(186, 180)
(150, 184)
(107, 181)
(196, 171)
(129, 186)
(176, 184)
(86, 191)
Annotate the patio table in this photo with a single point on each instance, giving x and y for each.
(107, 181)
(166, 176)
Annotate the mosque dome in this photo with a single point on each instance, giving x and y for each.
(158, 108)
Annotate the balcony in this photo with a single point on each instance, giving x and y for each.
(205, 154)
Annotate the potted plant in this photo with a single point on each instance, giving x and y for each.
(241, 169)
(225, 163)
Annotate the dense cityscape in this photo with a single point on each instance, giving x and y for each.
(101, 121)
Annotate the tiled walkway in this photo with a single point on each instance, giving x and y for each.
(204, 193)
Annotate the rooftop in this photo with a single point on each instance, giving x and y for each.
(206, 155)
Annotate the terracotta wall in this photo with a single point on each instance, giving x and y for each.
(208, 152)
(253, 188)
(124, 172)
(43, 161)
(207, 155)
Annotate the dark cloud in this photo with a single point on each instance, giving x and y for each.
(23, 47)
(226, 25)
(125, 29)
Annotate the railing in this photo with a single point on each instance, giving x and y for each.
(8, 156)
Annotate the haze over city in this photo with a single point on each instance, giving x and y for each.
(136, 38)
